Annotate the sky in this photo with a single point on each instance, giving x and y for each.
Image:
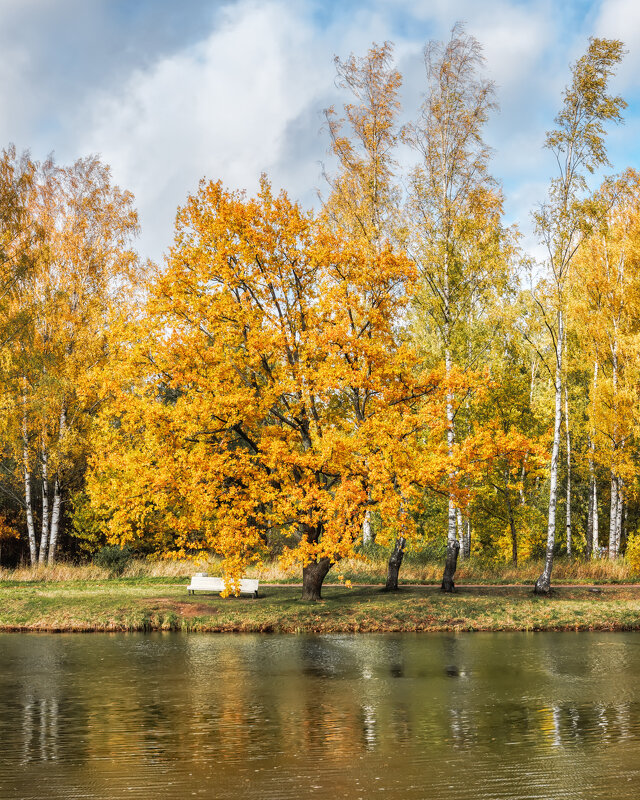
(168, 93)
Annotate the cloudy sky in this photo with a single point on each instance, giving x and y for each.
(168, 92)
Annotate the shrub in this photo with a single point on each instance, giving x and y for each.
(632, 555)
(113, 558)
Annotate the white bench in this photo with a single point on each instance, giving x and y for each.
(201, 582)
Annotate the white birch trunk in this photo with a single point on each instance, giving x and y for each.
(568, 434)
(543, 584)
(460, 532)
(366, 527)
(619, 514)
(593, 534)
(613, 517)
(55, 521)
(57, 496)
(31, 530)
(596, 520)
(44, 536)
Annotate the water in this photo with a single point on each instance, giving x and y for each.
(168, 716)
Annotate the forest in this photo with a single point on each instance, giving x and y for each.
(390, 369)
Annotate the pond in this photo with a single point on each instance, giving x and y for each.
(470, 716)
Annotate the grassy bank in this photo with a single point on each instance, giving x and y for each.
(138, 604)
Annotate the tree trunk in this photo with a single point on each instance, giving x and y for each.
(460, 533)
(466, 543)
(366, 528)
(596, 521)
(568, 433)
(512, 522)
(57, 495)
(312, 577)
(613, 517)
(55, 521)
(44, 536)
(453, 548)
(31, 529)
(619, 514)
(395, 561)
(543, 584)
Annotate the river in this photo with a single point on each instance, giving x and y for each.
(462, 717)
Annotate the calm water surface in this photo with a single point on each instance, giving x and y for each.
(171, 716)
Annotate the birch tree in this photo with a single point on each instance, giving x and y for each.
(455, 206)
(578, 146)
(83, 271)
(363, 203)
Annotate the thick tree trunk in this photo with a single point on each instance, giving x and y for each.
(543, 584)
(312, 577)
(395, 561)
(453, 548)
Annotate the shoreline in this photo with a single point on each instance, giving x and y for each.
(145, 606)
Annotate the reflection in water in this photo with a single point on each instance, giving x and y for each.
(169, 716)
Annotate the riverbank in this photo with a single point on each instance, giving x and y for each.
(137, 604)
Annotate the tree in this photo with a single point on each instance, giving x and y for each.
(363, 203)
(271, 391)
(82, 269)
(455, 235)
(578, 146)
(605, 298)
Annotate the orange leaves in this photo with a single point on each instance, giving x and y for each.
(291, 385)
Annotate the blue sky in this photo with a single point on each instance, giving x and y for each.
(168, 92)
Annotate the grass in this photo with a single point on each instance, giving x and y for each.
(162, 604)
(151, 595)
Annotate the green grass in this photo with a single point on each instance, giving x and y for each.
(139, 605)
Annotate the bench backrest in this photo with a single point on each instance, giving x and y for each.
(208, 584)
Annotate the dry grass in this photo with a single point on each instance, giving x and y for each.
(356, 570)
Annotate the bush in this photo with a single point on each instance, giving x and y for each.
(632, 554)
(113, 558)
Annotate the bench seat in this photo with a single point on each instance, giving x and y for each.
(204, 583)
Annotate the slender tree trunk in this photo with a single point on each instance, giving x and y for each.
(512, 522)
(568, 433)
(592, 521)
(460, 533)
(55, 521)
(57, 495)
(452, 541)
(31, 530)
(613, 517)
(619, 515)
(466, 544)
(44, 537)
(596, 520)
(395, 561)
(543, 584)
